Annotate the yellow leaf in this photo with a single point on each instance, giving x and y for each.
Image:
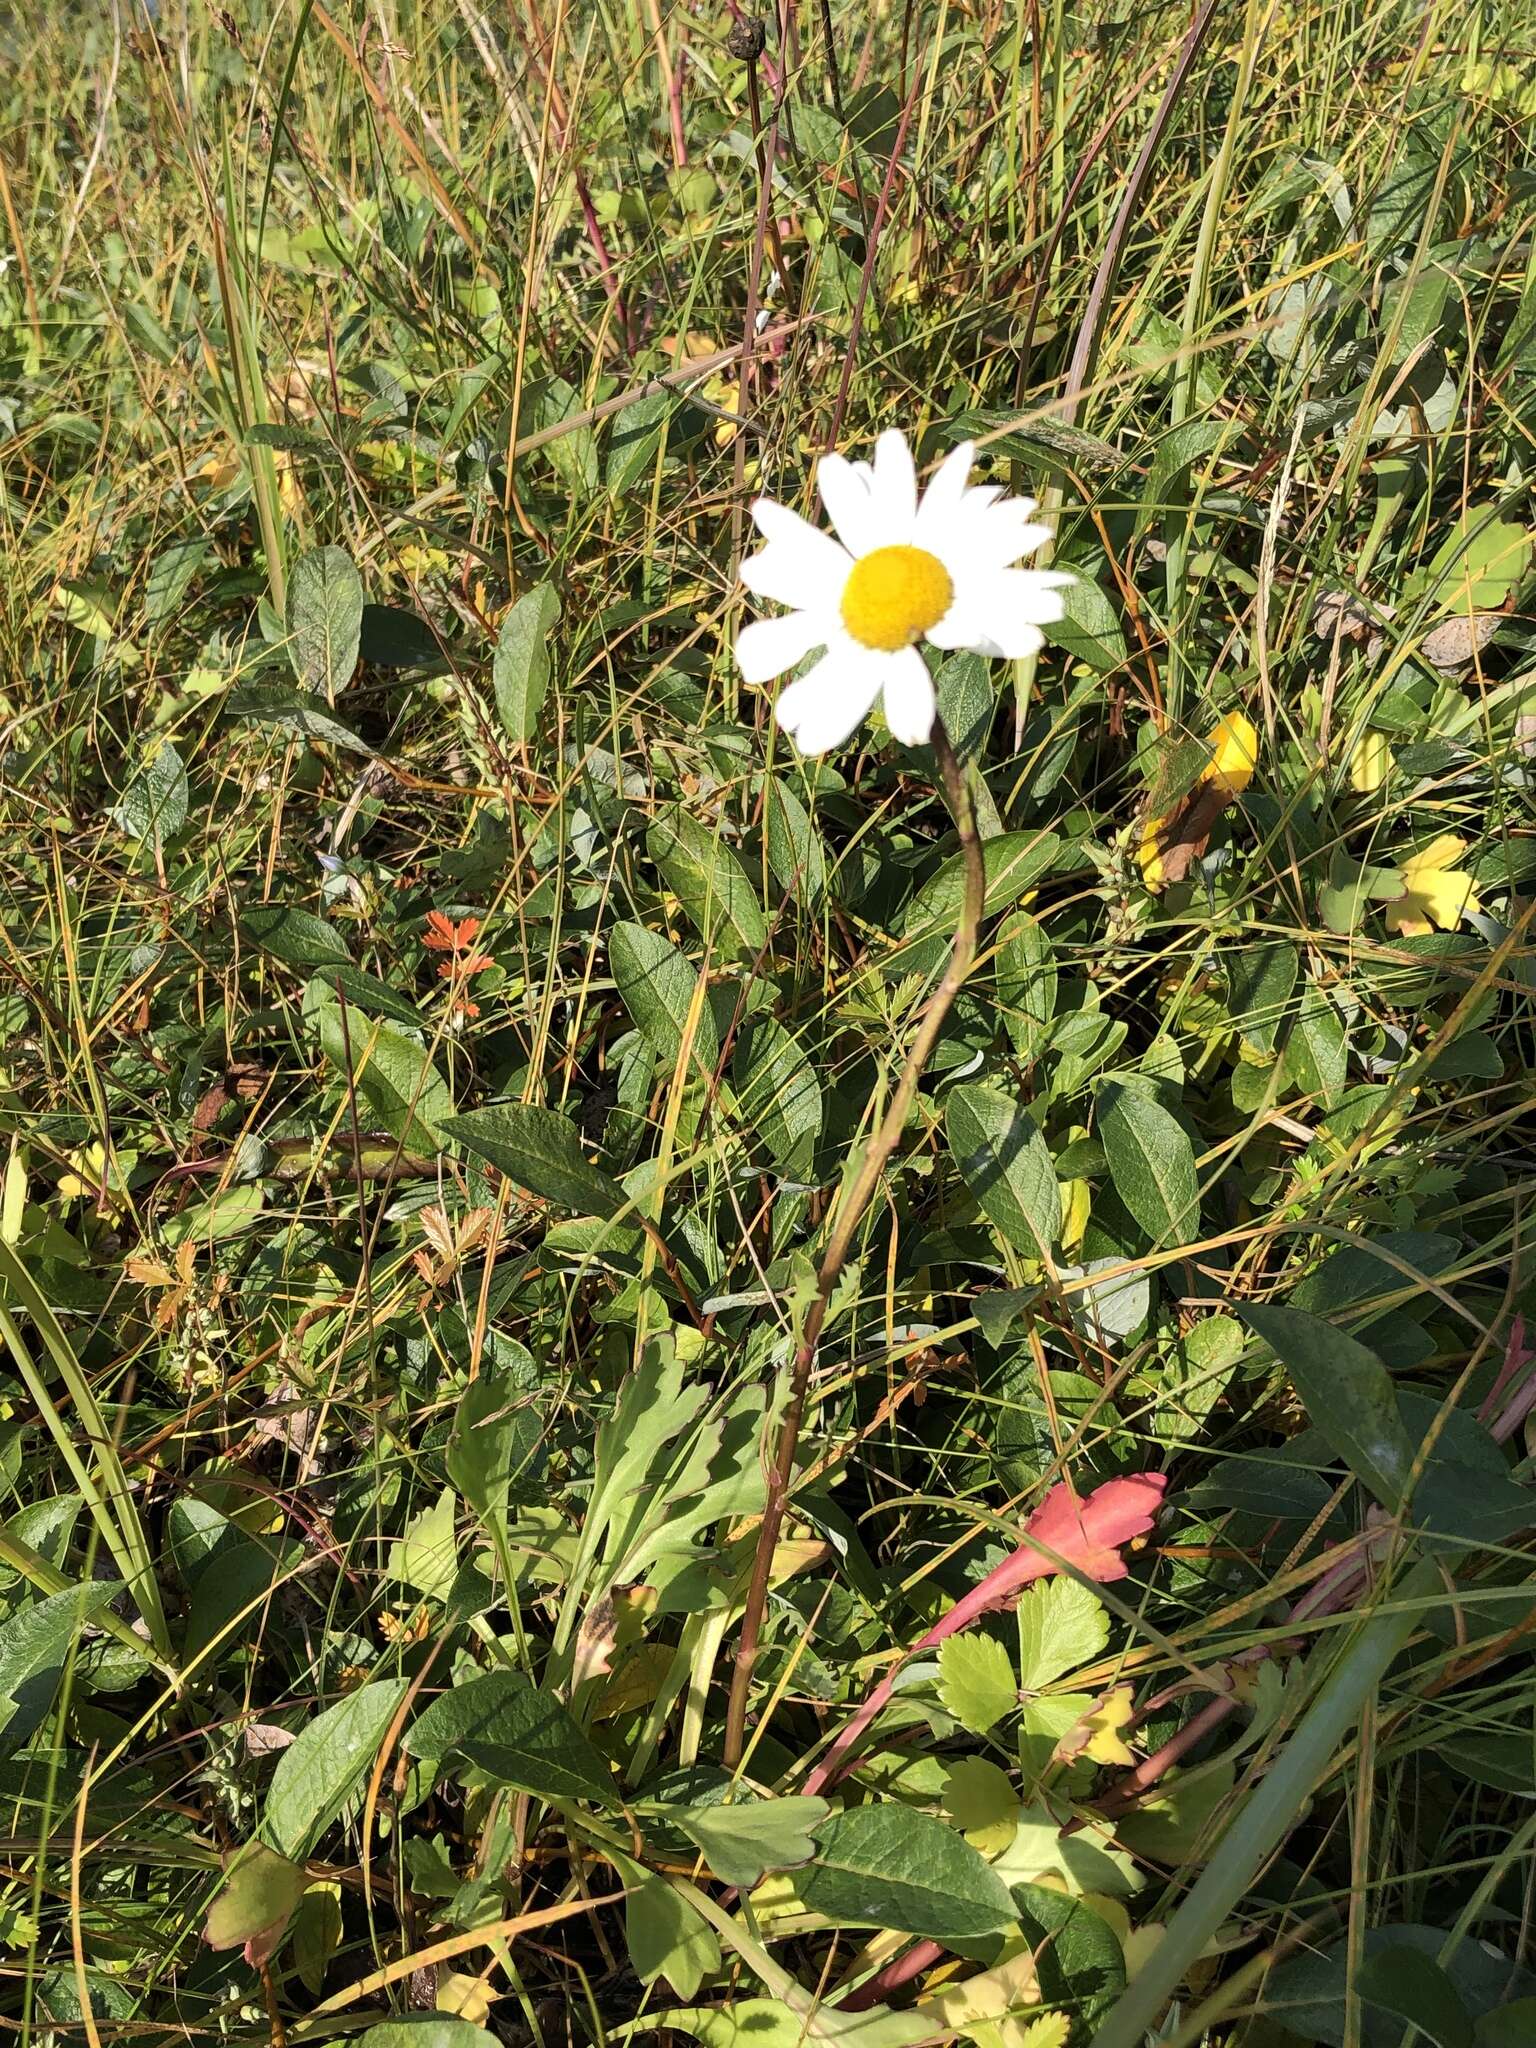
(988, 2008)
(1370, 764)
(1234, 753)
(1097, 1735)
(1049, 2031)
(1435, 892)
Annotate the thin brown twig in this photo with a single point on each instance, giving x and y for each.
(849, 1215)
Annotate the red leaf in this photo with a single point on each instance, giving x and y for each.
(1089, 1533)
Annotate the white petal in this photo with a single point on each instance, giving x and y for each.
(1033, 595)
(945, 490)
(769, 646)
(850, 506)
(909, 699)
(821, 709)
(800, 565)
(895, 487)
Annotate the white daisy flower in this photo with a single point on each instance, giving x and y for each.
(900, 571)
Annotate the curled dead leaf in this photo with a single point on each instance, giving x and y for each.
(1456, 643)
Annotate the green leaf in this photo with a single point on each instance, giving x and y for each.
(392, 637)
(977, 1682)
(520, 667)
(892, 1867)
(427, 2030)
(770, 2023)
(538, 1149)
(1315, 1059)
(1152, 1164)
(1412, 1987)
(1260, 977)
(1508, 2026)
(658, 988)
(317, 1932)
(1481, 560)
(363, 992)
(710, 883)
(741, 1842)
(426, 1556)
(1061, 1626)
(633, 440)
(1078, 1954)
(291, 710)
(325, 620)
(795, 852)
(666, 1937)
(1014, 862)
(33, 1647)
(296, 937)
(496, 1436)
(1090, 629)
(154, 805)
(171, 576)
(1004, 1162)
(518, 1736)
(1346, 1392)
(326, 1763)
(778, 1097)
(1026, 983)
(254, 1902)
(403, 1092)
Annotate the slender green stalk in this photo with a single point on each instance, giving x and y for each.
(849, 1214)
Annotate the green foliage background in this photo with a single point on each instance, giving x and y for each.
(396, 1337)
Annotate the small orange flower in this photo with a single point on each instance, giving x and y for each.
(444, 936)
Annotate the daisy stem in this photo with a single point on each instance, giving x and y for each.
(846, 1219)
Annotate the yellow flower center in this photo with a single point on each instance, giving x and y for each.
(894, 595)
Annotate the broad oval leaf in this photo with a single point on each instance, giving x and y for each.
(659, 989)
(1013, 862)
(795, 852)
(1026, 983)
(1346, 1392)
(325, 1764)
(888, 1866)
(520, 667)
(1152, 1164)
(296, 937)
(517, 1735)
(538, 1149)
(402, 1091)
(709, 881)
(325, 619)
(1004, 1162)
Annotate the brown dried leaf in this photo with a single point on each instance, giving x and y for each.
(1455, 643)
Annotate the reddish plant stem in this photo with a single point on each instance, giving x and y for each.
(899, 1971)
(848, 1216)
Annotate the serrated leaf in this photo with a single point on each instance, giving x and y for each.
(893, 1867)
(538, 1149)
(1152, 1164)
(33, 1647)
(426, 1556)
(325, 1764)
(709, 881)
(1004, 1162)
(1061, 1626)
(741, 1842)
(977, 1682)
(325, 619)
(1347, 1393)
(520, 666)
